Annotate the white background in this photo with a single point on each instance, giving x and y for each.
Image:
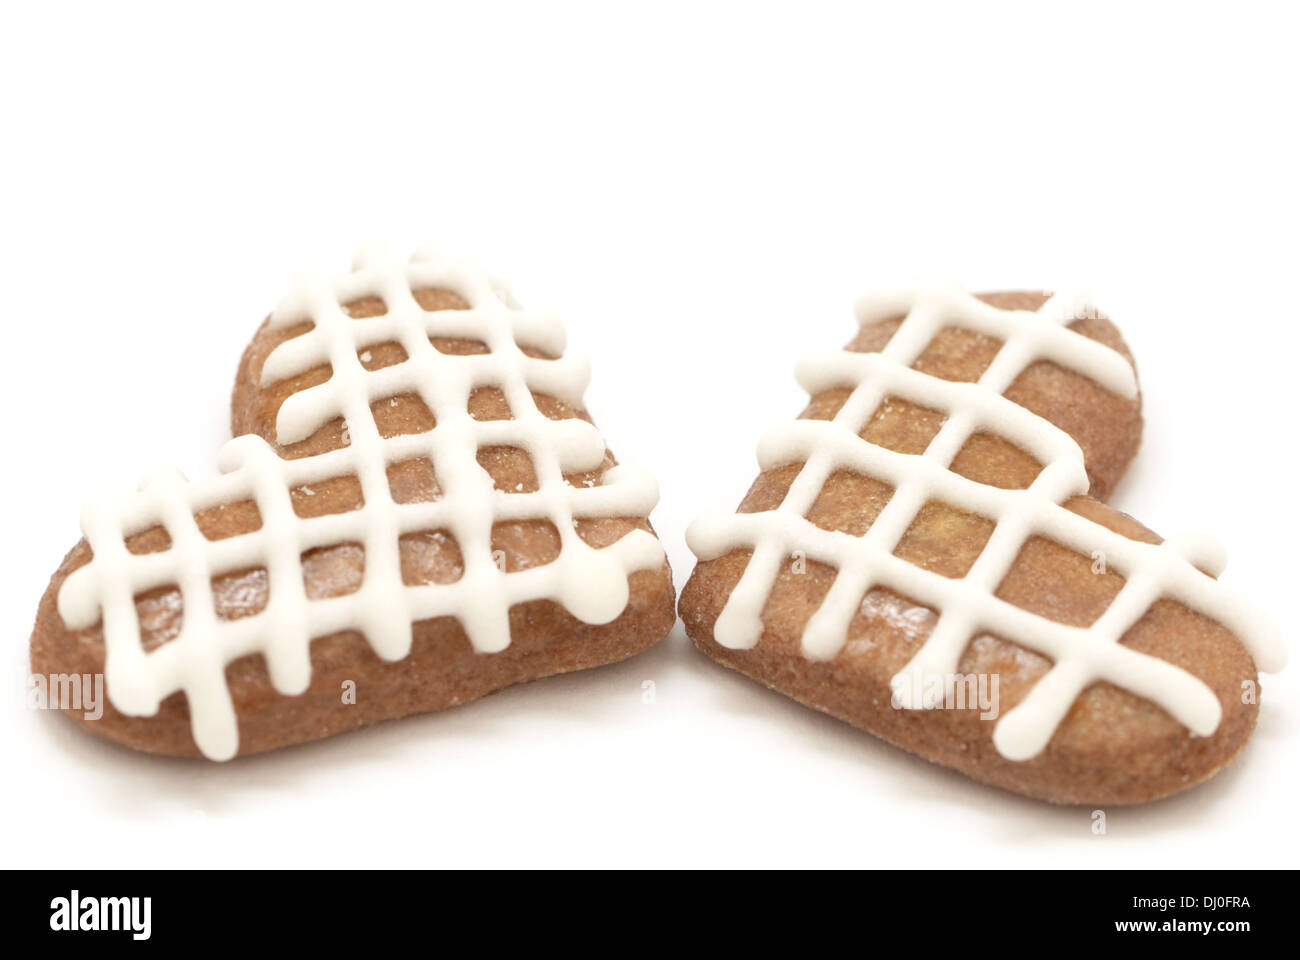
(700, 190)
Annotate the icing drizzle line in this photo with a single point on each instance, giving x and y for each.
(591, 583)
(968, 606)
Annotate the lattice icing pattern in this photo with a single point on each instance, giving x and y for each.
(591, 583)
(968, 606)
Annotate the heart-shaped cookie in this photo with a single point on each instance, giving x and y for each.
(926, 555)
(415, 511)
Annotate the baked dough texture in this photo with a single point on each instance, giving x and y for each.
(442, 668)
(1113, 747)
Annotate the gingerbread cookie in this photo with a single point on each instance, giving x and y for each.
(926, 555)
(418, 512)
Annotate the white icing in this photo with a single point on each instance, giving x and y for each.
(968, 606)
(591, 583)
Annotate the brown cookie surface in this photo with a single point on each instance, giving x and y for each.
(350, 684)
(1112, 746)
